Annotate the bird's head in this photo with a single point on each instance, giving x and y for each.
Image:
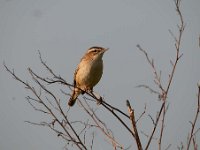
(96, 52)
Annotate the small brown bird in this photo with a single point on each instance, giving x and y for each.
(88, 72)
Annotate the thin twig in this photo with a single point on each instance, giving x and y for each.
(48, 110)
(178, 39)
(141, 114)
(155, 126)
(195, 119)
(100, 124)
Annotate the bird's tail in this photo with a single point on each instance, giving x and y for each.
(75, 94)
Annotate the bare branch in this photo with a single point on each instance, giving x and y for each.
(162, 127)
(157, 75)
(112, 110)
(195, 145)
(155, 126)
(100, 124)
(195, 120)
(106, 105)
(132, 118)
(47, 109)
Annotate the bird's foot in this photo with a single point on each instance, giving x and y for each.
(99, 101)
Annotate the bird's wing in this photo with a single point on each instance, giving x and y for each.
(82, 59)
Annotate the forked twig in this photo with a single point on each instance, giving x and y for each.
(157, 77)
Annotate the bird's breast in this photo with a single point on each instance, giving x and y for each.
(89, 74)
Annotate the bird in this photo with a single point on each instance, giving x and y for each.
(88, 72)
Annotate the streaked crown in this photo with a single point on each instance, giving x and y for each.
(96, 50)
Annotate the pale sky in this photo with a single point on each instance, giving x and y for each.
(63, 30)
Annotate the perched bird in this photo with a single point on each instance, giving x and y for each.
(88, 72)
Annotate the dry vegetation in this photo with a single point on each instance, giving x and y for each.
(75, 132)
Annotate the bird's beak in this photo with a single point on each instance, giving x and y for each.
(106, 49)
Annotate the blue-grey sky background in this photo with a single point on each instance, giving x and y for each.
(63, 30)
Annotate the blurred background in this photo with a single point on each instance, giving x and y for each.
(63, 30)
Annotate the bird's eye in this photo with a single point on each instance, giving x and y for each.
(93, 51)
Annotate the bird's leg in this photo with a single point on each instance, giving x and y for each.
(82, 92)
(90, 90)
(97, 97)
